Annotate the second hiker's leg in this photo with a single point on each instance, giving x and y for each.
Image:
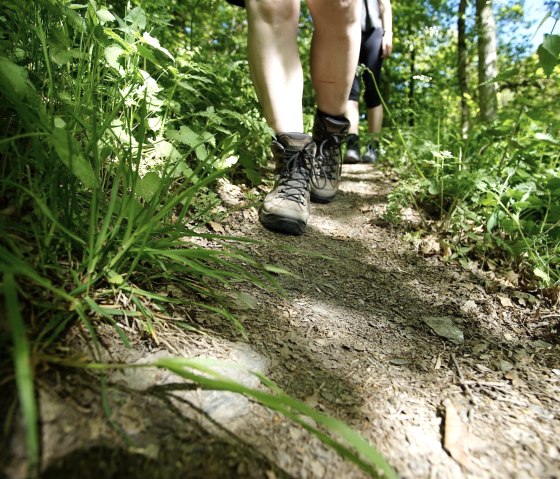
(334, 51)
(334, 57)
(353, 154)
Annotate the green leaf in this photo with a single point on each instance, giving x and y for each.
(137, 19)
(105, 16)
(115, 278)
(112, 54)
(492, 221)
(433, 189)
(186, 136)
(201, 153)
(154, 42)
(489, 200)
(147, 54)
(148, 186)
(552, 44)
(63, 56)
(509, 225)
(548, 53)
(15, 78)
(69, 152)
(541, 274)
(547, 137)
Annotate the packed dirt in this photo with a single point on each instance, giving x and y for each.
(449, 372)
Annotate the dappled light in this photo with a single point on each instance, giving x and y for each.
(186, 292)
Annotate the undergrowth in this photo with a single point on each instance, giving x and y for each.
(111, 143)
(492, 196)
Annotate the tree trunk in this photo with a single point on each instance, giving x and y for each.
(487, 60)
(463, 66)
(411, 85)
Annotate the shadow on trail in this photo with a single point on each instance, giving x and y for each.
(357, 319)
(167, 436)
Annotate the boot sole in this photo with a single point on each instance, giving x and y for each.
(351, 159)
(282, 224)
(321, 199)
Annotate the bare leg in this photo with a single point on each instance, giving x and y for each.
(375, 120)
(353, 115)
(334, 51)
(274, 62)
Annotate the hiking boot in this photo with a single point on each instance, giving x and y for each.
(352, 155)
(371, 154)
(328, 133)
(286, 207)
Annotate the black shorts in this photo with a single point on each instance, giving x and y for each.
(370, 56)
(239, 3)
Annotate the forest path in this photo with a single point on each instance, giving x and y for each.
(353, 336)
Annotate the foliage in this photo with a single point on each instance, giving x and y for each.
(107, 156)
(493, 195)
(114, 131)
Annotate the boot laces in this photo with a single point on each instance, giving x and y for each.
(328, 164)
(293, 178)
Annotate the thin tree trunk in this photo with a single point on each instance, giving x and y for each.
(463, 66)
(487, 61)
(411, 85)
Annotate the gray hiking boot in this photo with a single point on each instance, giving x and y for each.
(352, 155)
(328, 133)
(371, 155)
(286, 207)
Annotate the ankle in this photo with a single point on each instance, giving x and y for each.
(353, 141)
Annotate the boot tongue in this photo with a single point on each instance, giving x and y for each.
(293, 140)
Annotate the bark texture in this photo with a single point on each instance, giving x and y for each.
(487, 60)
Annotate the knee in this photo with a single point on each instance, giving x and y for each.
(339, 14)
(274, 12)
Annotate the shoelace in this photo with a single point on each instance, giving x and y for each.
(327, 165)
(294, 176)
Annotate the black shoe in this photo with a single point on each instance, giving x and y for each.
(352, 155)
(286, 207)
(371, 155)
(328, 134)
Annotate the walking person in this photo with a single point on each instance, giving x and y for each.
(376, 45)
(307, 166)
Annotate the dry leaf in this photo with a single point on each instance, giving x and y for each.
(512, 277)
(469, 306)
(503, 365)
(431, 245)
(454, 435)
(443, 326)
(505, 301)
(216, 227)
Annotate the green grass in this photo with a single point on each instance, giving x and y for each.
(492, 197)
(109, 153)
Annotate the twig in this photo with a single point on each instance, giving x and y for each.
(462, 382)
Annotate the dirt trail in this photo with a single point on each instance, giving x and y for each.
(354, 336)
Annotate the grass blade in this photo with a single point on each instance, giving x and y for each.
(23, 372)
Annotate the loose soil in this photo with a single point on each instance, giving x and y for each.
(355, 335)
